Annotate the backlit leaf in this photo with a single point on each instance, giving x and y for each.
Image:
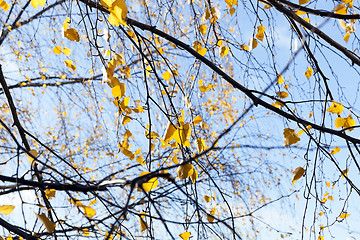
(297, 174)
(224, 51)
(50, 193)
(301, 2)
(210, 218)
(335, 150)
(185, 235)
(197, 120)
(169, 133)
(36, 3)
(346, 37)
(336, 108)
(194, 176)
(231, 3)
(280, 79)
(143, 224)
(49, 225)
(207, 198)
(344, 215)
(66, 51)
(33, 153)
(6, 209)
(344, 172)
(282, 94)
(57, 50)
(184, 171)
(166, 75)
(200, 144)
(72, 34)
(151, 184)
(89, 211)
(118, 13)
(345, 123)
(260, 32)
(309, 73)
(252, 44)
(4, 5)
(69, 64)
(290, 137)
(202, 29)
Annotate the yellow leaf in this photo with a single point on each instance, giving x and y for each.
(345, 123)
(344, 172)
(57, 50)
(66, 24)
(335, 150)
(336, 108)
(244, 47)
(213, 211)
(232, 11)
(33, 153)
(6, 209)
(301, 2)
(66, 51)
(194, 176)
(344, 215)
(290, 137)
(202, 29)
(182, 135)
(231, 3)
(297, 174)
(185, 235)
(282, 94)
(224, 51)
(118, 91)
(342, 24)
(166, 76)
(299, 13)
(140, 160)
(346, 37)
(50, 193)
(185, 171)
(72, 34)
(210, 218)
(197, 120)
(207, 198)
(118, 13)
(169, 133)
(320, 238)
(151, 184)
(341, 9)
(280, 79)
(202, 51)
(89, 211)
(143, 224)
(69, 64)
(260, 32)
(4, 5)
(302, 131)
(85, 231)
(49, 225)
(309, 72)
(126, 120)
(252, 44)
(200, 144)
(36, 3)
(267, 6)
(327, 184)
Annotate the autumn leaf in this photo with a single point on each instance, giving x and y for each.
(252, 44)
(290, 137)
(297, 174)
(185, 235)
(335, 150)
(224, 51)
(36, 3)
(282, 94)
(280, 79)
(57, 50)
(347, 123)
(88, 211)
(33, 154)
(207, 198)
(346, 37)
(184, 171)
(50, 193)
(302, 2)
(72, 34)
(194, 175)
(66, 51)
(344, 172)
(6, 209)
(49, 225)
(308, 73)
(336, 108)
(149, 185)
(344, 215)
(231, 3)
(260, 32)
(197, 120)
(118, 13)
(69, 64)
(200, 144)
(341, 9)
(4, 5)
(166, 75)
(210, 217)
(202, 29)
(143, 224)
(169, 133)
